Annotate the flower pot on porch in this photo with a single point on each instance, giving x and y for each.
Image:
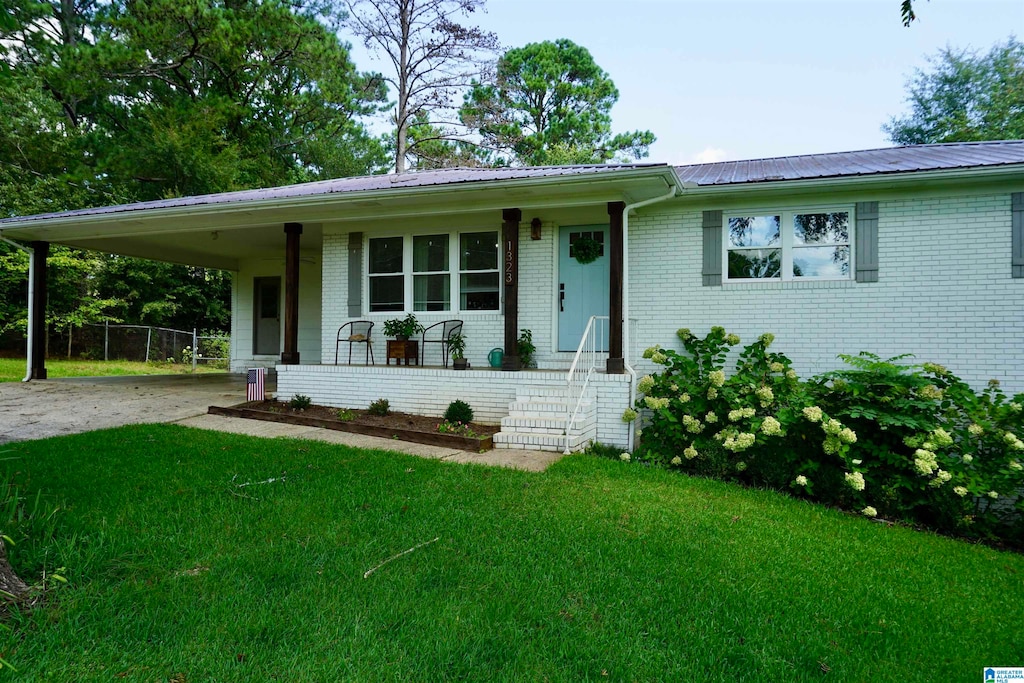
(459, 364)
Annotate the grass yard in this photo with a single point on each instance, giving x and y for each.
(595, 570)
(13, 369)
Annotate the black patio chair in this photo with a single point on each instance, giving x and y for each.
(440, 333)
(358, 332)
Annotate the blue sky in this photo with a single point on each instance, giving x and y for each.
(731, 79)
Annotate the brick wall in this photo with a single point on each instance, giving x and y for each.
(944, 292)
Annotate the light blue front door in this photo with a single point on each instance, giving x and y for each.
(582, 288)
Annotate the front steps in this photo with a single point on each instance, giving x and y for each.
(537, 418)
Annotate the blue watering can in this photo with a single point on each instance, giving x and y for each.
(495, 357)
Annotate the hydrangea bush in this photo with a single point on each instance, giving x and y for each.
(906, 442)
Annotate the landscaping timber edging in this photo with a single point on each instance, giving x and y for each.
(465, 443)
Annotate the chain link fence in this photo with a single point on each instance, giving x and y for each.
(146, 343)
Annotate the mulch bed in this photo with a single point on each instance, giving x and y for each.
(402, 426)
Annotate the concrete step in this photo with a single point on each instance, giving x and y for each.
(538, 392)
(543, 425)
(540, 442)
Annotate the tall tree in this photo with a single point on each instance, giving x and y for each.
(550, 103)
(432, 55)
(965, 96)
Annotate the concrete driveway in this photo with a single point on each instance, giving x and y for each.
(39, 409)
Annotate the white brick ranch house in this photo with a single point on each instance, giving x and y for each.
(899, 250)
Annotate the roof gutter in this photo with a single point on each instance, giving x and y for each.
(893, 178)
(626, 341)
(31, 308)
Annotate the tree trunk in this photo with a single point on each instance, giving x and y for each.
(14, 589)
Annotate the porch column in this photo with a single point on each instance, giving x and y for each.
(291, 294)
(510, 276)
(40, 250)
(616, 365)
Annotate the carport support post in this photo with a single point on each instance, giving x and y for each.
(616, 365)
(510, 278)
(291, 294)
(40, 250)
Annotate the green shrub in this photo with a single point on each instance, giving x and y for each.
(345, 415)
(912, 443)
(525, 348)
(380, 407)
(458, 411)
(300, 402)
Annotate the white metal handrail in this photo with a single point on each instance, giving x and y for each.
(584, 364)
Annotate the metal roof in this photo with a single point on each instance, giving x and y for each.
(912, 158)
(414, 179)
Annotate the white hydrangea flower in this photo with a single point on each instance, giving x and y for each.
(684, 398)
(690, 452)
(930, 391)
(766, 396)
(813, 413)
(869, 512)
(628, 415)
(677, 460)
(712, 393)
(655, 403)
(771, 426)
(716, 378)
(975, 429)
(711, 418)
(1014, 465)
(1015, 407)
(659, 358)
(645, 384)
(767, 338)
(993, 495)
(968, 458)
(941, 437)
(847, 435)
(960, 491)
(624, 457)
(855, 480)
(776, 367)
(790, 374)
(924, 461)
(801, 480)
(832, 427)
(732, 339)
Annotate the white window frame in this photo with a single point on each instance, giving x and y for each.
(786, 245)
(454, 271)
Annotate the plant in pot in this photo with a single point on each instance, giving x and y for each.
(402, 328)
(457, 347)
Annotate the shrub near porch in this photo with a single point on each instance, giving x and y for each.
(908, 442)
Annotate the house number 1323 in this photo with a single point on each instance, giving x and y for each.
(510, 262)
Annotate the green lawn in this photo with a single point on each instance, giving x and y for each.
(595, 570)
(13, 369)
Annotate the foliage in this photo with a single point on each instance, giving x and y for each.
(965, 96)
(433, 55)
(300, 402)
(550, 103)
(907, 12)
(878, 438)
(457, 345)
(457, 428)
(345, 415)
(13, 369)
(525, 348)
(757, 581)
(932, 449)
(402, 327)
(380, 407)
(458, 411)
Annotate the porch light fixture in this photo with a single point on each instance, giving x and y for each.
(535, 229)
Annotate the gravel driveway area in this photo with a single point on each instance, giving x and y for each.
(39, 409)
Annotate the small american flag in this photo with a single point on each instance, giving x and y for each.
(254, 384)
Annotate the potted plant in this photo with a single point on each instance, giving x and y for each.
(402, 328)
(457, 347)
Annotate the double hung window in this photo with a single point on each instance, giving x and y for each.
(788, 245)
(416, 273)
